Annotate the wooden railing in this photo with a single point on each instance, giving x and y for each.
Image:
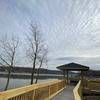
(42, 91)
(93, 84)
(78, 91)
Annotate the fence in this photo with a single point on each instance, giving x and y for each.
(42, 91)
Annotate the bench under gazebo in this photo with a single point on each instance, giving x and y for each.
(73, 67)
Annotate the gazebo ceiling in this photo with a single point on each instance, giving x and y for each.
(73, 67)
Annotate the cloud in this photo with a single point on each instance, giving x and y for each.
(70, 27)
(92, 62)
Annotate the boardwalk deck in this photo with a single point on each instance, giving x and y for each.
(66, 94)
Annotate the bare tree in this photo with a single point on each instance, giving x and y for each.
(8, 49)
(42, 60)
(35, 46)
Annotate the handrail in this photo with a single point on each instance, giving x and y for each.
(93, 84)
(34, 92)
(78, 91)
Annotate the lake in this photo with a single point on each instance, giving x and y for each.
(15, 83)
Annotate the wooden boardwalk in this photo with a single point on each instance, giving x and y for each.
(66, 94)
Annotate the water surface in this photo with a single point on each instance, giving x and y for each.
(15, 83)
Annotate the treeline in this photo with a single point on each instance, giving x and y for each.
(93, 73)
(29, 70)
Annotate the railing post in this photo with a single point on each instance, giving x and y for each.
(33, 95)
(49, 92)
(57, 86)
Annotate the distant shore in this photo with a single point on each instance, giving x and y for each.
(25, 73)
(28, 75)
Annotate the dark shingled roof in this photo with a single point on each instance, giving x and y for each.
(73, 67)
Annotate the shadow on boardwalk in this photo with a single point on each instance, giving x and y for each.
(66, 94)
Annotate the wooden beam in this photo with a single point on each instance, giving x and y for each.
(82, 79)
(82, 76)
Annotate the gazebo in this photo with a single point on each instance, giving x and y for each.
(73, 67)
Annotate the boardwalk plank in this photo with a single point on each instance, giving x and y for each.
(66, 94)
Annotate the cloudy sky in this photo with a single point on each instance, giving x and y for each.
(71, 28)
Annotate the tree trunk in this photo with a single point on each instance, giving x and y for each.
(37, 78)
(33, 70)
(38, 73)
(8, 78)
(9, 70)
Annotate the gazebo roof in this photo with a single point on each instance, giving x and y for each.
(73, 67)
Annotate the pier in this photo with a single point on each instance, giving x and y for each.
(55, 89)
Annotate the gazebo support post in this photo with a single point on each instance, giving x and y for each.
(82, 76)
(67, 77)
(82, 79)
(64, 73)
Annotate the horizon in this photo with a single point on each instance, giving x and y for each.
(71, 29)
